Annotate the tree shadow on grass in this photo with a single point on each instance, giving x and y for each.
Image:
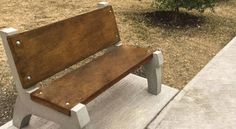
(172, 19)
(169, 19)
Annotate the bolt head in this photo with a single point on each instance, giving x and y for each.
(67, 104)
(29, 77)
(18, 43)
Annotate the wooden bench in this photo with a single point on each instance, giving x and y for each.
(38, 54)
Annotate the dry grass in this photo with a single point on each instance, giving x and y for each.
(186, 49)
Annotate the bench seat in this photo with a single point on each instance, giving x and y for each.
(88, 81)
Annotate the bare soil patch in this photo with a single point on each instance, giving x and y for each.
(187, 45)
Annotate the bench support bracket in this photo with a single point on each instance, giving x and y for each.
(21, 117)
(80, 117)
(153, 73)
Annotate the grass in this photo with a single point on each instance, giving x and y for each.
(186, 47)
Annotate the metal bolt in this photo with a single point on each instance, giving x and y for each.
(67, 104)
(40, 93)
(110, 11)
(28, 77)
(18, 43)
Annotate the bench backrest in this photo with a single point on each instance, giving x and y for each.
(42, 52)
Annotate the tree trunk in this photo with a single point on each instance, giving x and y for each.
(176, 12)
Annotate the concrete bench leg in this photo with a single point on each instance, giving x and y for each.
(80, 118)
(21, 116)
(153, 73)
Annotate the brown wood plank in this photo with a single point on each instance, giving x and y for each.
(85, 83)
(52, 48)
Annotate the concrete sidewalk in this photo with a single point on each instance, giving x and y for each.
(209, 100)
(126, 105)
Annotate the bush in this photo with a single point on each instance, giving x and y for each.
(175, 5)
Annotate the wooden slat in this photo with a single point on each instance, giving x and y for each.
(52, 48)
(85, 83)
